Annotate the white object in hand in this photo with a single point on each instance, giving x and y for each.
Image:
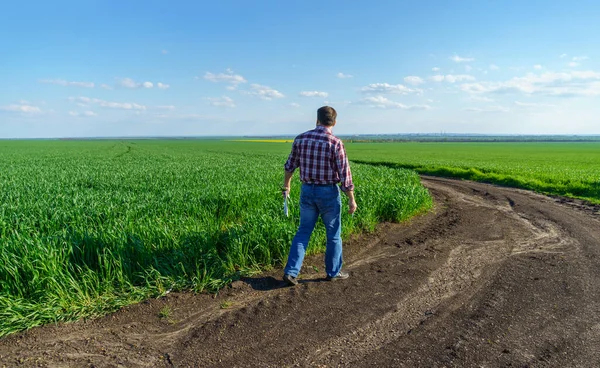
(285, 203)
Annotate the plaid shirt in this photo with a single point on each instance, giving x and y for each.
(321, 158)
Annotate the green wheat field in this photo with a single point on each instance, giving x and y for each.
(87, 227)
(559, 168)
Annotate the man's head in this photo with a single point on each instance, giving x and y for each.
(326, 116)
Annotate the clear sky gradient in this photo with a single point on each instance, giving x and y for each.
(178, 68)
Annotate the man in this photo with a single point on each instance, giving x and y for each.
(323, 164)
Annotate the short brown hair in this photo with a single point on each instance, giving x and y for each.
(326, 115)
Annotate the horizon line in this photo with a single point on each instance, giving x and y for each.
(295, 134)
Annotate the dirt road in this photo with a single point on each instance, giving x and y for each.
(493, 277)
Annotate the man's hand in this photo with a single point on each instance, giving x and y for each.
(351, 202)
(287, 182)
(352, 207)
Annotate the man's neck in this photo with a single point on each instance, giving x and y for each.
(329, 128)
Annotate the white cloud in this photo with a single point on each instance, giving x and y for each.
(494, 67)
(224, 101)
(435, 69)
(23, 108)
(344, 76)
(481, 98)
(86, 101)
(580, 58)
(64, 83)
(532, 104)
(162, 85)
(566, 84)
(537, 67)
(488, 109)
(83, 100)
(477, 87)
(576, 61)
(458, 59)
(165, 107)
(130, 83)
(313, 94)
(228, 77)
(388, 88)
(264, 92)
(106, 86)
(119, 105)
(381, 102)
(87, 114)
(452, 78)
(294, 105)
(562, 56)
(164, 52)
(589, 74)
(458, 78)
(414, 80)
(468, 68)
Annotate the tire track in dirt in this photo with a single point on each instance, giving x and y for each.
(492, 277)
(465, 264)
(537, 307)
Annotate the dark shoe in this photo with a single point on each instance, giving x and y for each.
(291, 280)
(340, 276)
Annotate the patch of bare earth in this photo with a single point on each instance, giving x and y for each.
(493, 277)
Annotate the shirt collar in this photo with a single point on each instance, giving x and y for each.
(322, 128)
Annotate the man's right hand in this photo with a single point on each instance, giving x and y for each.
(352, 206)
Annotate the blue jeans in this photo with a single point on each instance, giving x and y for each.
(318, 200)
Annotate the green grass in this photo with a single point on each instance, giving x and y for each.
(567, 169)
(87, 227)
(165, 313)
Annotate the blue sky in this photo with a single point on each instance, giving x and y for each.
(139, 68)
